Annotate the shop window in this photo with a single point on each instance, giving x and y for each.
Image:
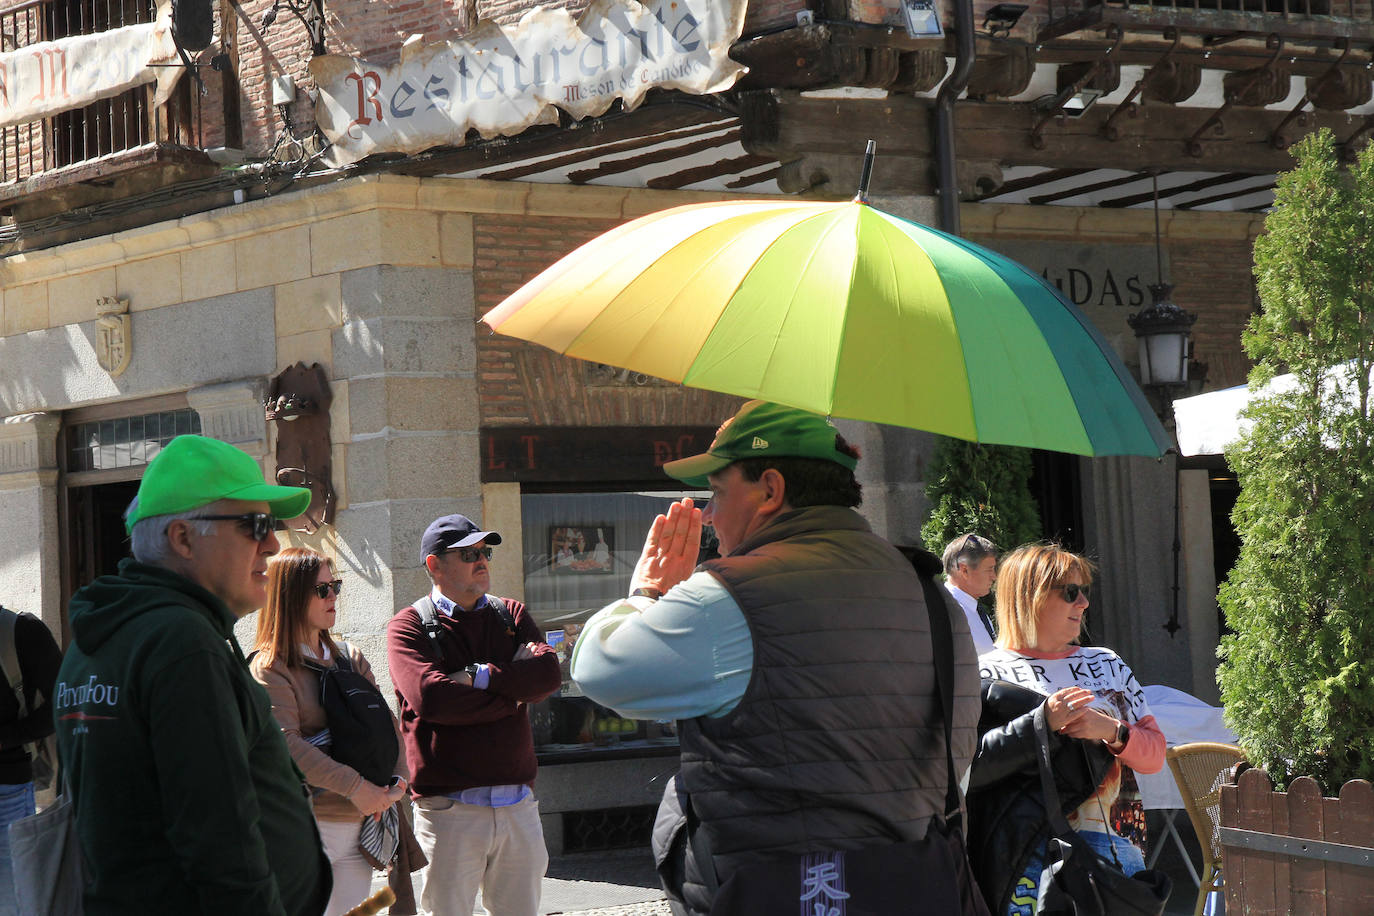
(580, 551)
(125, 442)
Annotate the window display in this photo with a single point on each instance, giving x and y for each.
(580, 550)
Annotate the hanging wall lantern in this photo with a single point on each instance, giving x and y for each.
(1165, 334)
(1164, 330)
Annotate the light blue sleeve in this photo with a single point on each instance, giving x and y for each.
(688, 654)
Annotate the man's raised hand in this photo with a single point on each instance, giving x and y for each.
(670, 550)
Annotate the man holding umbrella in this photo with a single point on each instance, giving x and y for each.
(799, 663)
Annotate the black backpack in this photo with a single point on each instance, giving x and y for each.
(359, 721)
(429, 619)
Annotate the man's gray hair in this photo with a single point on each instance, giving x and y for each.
(969, 549)
(148, 539)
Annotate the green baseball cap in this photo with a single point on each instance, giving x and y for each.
(194, 471)
(762, 429)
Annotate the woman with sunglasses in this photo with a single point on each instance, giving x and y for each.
(1101, 730)
(293, 628)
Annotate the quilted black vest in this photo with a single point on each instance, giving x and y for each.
(837, 742)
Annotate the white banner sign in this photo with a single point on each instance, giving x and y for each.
(501, 80)
(41, 80)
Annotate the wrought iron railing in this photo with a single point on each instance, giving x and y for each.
(110, 125)
(1357, 10)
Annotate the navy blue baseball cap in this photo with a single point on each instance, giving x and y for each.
(453, 531)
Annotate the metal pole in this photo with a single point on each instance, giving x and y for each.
(965, 54)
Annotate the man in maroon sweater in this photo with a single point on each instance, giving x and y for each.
(466, 666)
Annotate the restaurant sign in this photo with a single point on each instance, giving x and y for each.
(500, 80)
(40, 80)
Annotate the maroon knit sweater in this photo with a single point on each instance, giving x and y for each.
(459, 737)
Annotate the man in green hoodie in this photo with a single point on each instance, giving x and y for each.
(186, 798)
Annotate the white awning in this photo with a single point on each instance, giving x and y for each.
(1208, 424)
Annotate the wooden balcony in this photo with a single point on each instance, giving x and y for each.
(92, 146)
(1316, 23)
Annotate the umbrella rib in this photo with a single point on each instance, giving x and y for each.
(704, 267)
(791, 300)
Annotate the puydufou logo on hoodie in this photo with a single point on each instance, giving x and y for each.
(90, 692)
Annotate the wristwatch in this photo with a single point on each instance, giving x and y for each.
(1123, 733)
(472, 670)
(652, 594)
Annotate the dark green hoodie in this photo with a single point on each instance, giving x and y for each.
(186, 798)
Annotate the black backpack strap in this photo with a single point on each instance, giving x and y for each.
(429, 619)
(503, 611)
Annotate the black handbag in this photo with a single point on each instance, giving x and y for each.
(1081, 882)
(930, 875)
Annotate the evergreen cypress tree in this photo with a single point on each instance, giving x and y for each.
(1297, 678)
(984, 489)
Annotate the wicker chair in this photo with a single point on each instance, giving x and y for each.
(1198, 769)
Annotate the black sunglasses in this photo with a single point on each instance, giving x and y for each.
(1073, 590)
(323, 588)
(470, 554)
(257, 525)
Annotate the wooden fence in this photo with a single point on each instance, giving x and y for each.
(1297, 853)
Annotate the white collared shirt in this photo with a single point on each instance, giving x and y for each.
(982, 639)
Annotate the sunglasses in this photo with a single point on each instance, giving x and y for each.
(471, 554)
(324, 588)
(257, 525)
(1073, 590)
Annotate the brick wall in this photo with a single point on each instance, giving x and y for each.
(1215, 281)
(525, 384)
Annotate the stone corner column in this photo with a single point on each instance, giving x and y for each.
(30, 571)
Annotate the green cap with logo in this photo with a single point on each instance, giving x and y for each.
(762, 429)
(194, 471)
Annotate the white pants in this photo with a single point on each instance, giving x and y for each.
(352, 873)
(499, 850)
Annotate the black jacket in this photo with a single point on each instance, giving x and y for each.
(39, 658)
(186, 797)
(1006, 810)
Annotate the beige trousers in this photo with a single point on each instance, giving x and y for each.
(352, 873)
(499, 850)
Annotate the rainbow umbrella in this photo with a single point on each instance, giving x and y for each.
(845, 310)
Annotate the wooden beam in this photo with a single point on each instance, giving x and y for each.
(592, 152)
(706, 172)
(1189, 188)
(1038, 179)
(745, 181)
(1240, 192)
(664, 155)
(1149, 18)
(664, 112)
(787, 127)
(1087, 189)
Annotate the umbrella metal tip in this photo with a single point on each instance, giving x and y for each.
(870, 152)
